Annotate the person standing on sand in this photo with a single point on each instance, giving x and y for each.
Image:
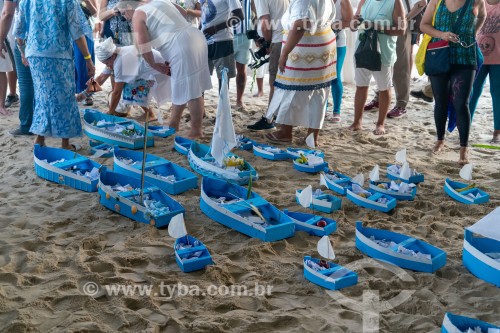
(162, 25)
(388, 19)
(306, 69)
(489, 42)
(457, 83)
(51, 61)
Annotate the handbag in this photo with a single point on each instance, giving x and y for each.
(438, 53)
(422, 49)
(367, 55)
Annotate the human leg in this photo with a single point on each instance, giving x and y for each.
(3, 93)
(175, 116)
(495, 96)
(26, 93)
(440, 87)
(337, 87)
(477, 88)
(196, 110)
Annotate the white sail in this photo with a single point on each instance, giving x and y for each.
(325, 248)
(310, 141)
(466, 172)
(224, 138)
(322, 180)
(405, 171)
(401, 156)
(359, 179)
(177, 227)
(375, 174)
(305, 197)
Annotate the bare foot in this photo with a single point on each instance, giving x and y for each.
(193, 135)
(379, 130)
(143, 118)
(464, 156)
(496, 136)
(4, 112)
(258, 94)
(240, 106)
(355, 127)
(438, 147)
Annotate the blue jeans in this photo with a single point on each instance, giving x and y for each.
(494, 72)
(337, 87)
(26, 92)
(81, 76)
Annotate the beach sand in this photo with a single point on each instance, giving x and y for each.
(55, 239)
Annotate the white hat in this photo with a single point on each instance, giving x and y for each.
(105, 50)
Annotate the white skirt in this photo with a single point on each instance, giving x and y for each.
(6, 64)
(299, 108)
(188, 58)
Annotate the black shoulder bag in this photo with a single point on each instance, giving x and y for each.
(367, 55)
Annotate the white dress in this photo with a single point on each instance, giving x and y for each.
(302, 90)
(6, 64)
(182, 46)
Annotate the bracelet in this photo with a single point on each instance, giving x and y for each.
(87, 57)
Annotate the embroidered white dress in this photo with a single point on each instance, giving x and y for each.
(302, 90)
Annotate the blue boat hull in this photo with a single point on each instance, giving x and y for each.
(187, 264)
(123, 204)
(307, 222)
(233, 216)
(185, 179)
(309, 169)
(325, 203)
(339, 186)
(371, 203)
(390, 255)
(454, 323)
(338, 279)
(182, 145)
(419, 178)
(295, 152)
(451, 186)
(259, 150)
(477, 262)
(58, 173)
(96, 146)
(99, 133)
(396, 195)
(161, 131)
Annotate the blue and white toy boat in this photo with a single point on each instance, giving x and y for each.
(322, 202)
(168, 176)
(161, 131)
(191, 254)
(248, 213)
(481, 254)
(312, 224)
(295, 152)
(398, 249)
(469, 196)
(100, 149)
(270, 152)
(244, 143)
(114, 130)
(182, 145)
(394, 173)
(397, 190)
(66, 167)
(310, 163)
(203, 163)
(458, 324)
(335, 181)
(389, 189)
(327, 274)
(121, 194)
(369, 198)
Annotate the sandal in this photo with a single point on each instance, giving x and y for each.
(88, 101)
(272, 137)
(335, 117)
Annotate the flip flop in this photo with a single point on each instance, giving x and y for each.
(272, 138)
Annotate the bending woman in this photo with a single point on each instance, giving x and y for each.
(162, 26)
(457, 83)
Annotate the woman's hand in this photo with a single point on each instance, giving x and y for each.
(25, 61)
(90, 68)
(282, 62)
(449, 36)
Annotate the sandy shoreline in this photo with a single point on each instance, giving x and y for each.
(55, 239)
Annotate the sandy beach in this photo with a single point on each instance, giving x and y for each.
(55, 240)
